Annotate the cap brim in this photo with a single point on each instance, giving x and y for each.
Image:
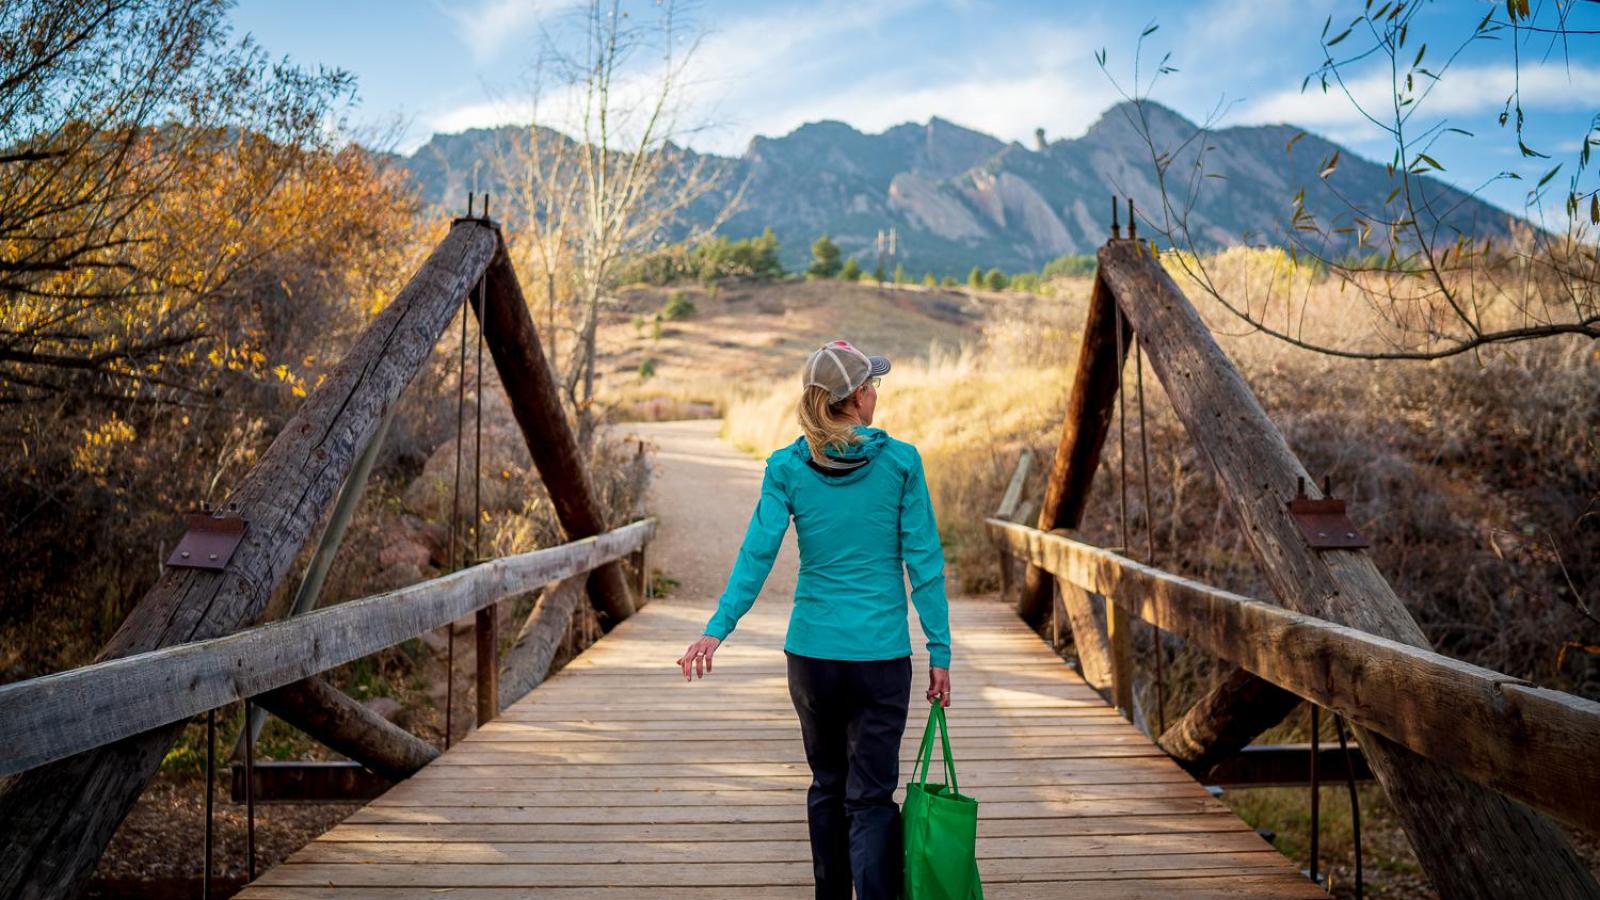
(878, 365)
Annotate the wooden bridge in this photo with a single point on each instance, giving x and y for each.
(613, 777)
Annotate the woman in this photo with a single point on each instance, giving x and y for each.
(860, 506)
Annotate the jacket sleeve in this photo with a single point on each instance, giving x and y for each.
(762, 539)
(924, 561)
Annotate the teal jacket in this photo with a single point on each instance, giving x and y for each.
(854, 530)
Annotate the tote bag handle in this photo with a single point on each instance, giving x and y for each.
(925, 753)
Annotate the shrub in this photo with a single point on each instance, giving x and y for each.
(851, 270)
(708, 261)
(995, 280)
(678, 306)
(975, 278)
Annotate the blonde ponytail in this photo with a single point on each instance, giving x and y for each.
(824, 423)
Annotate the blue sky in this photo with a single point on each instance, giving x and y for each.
(1001, 67)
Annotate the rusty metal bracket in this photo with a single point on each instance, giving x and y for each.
(210, 541)
(1324, 523)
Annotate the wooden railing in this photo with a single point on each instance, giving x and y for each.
(1532, 744)
(49, 718)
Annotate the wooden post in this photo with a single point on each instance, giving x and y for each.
(58, 818)
(1119, 636)
(1472, 841)
(531, 387)
(487, 657)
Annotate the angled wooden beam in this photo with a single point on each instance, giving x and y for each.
(1223, 722)
(1090, 403)
(527, 663)
(530, 385)
(1472, 841)
(55, 821)
(341, 724)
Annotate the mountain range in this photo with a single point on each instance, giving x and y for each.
(958, 198)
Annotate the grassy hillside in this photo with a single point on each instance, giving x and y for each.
(743, 337)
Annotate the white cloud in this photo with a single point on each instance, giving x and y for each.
(1462, 91)
(1047, 79)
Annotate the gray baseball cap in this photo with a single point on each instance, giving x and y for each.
(840, 368)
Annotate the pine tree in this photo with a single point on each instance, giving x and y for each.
(851, 270)
(995, 280)
(975, 278)
(824, 258)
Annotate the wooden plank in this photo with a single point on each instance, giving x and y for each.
(1137, 828)
(1532, 743)
(59, 817)
(667, 875)
(63, 713)
(456, 795)
(1194, 887)
(1492, 846)
(797, 850)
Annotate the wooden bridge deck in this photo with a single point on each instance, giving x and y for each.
(617, 778)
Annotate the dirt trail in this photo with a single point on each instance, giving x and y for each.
(703, 491)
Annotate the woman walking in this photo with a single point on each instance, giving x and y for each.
(860, 504)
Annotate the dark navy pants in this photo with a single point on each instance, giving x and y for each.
(852, 716)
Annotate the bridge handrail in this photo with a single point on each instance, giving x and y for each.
(1533, 744)
(58, 715)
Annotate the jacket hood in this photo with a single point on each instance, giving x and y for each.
(872, 442)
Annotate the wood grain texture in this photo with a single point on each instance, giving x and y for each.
(56, 820)
(528, 660)
(90, 706)
(341, 724)
(1472, 841)
(615, 777)
(1533, 743)
(1083, 435)
(1225, 720)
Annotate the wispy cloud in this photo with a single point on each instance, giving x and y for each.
(487, 27)
(1462, 91)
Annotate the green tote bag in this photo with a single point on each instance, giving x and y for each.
(939, 828)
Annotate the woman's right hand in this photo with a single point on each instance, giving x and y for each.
(939, 686)
(698, 657)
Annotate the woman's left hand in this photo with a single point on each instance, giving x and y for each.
(939, 686)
